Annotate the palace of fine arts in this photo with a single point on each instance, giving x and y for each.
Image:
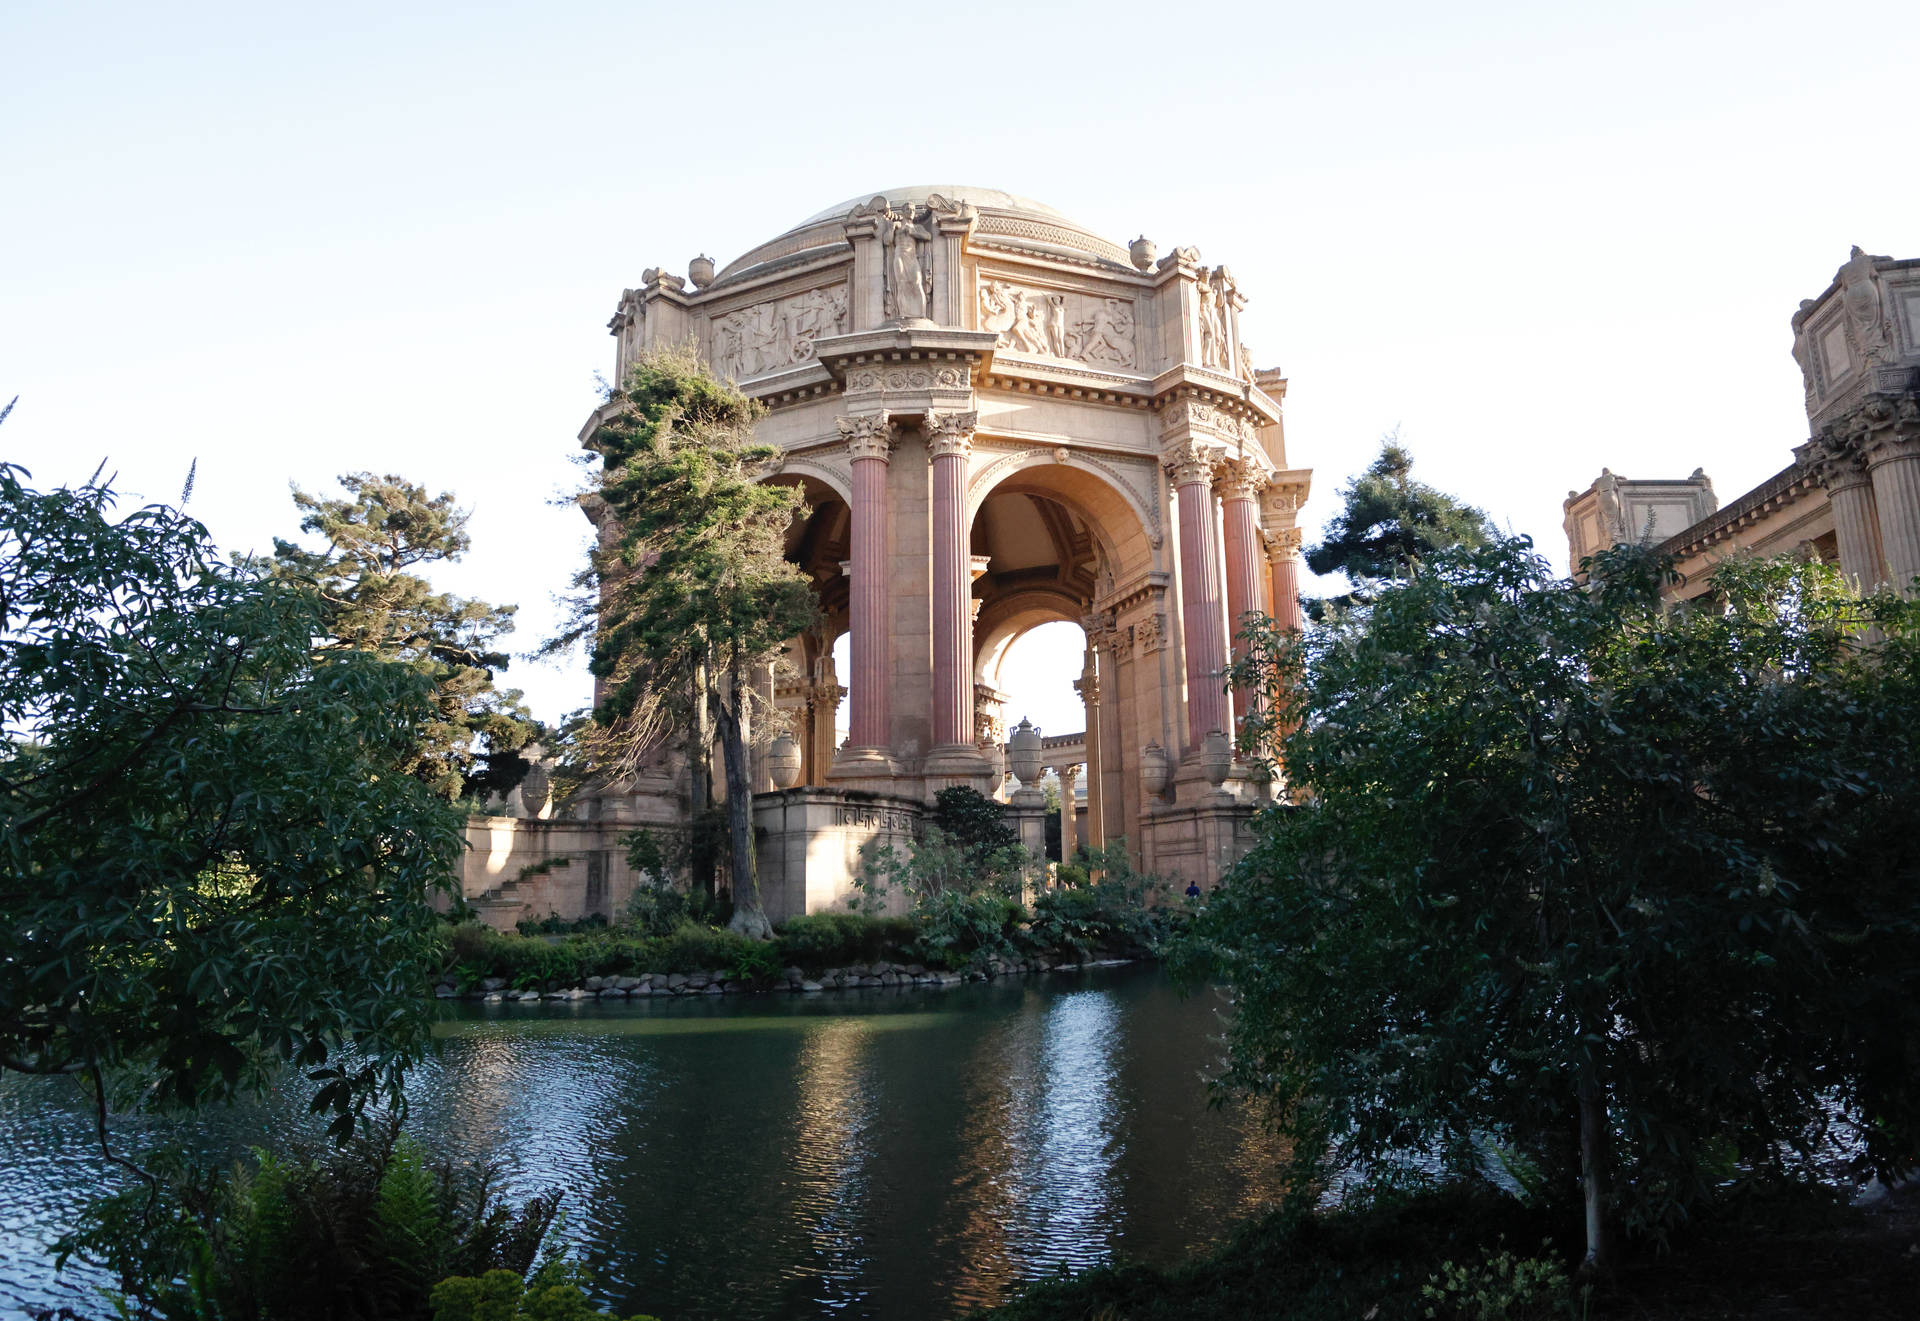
(1323, 727)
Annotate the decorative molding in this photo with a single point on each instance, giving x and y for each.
(1237, 479)
(1191, 461)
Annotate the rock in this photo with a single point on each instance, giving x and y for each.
(698, 981)
(444, 992)
(493, 983)
(871, 981)
(644, 988)
(596, 983)
(492, 996)
(524, 997)
(916, 970)
(793, 974)
(675, 981)
(809, 986)
(713, 988)
(609, 992)
(889, 978)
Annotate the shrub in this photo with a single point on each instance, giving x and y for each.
(826, 940)
(359, 1231)
(656, 909)
(557, 1292)
(1501, 1287)
(958, 929)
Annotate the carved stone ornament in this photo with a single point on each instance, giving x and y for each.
(1862, 294)
(906, 235)
(1836, 462)
(868, 436)
(882, 379)
(1150, 634)
(1283, 542)
(772, 335)
(950, 433)
(1802, 346)
(1050, 324)
(1237, 479)
(1191, 461)
(1195, 413)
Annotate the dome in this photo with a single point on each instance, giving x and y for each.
(1005, 218)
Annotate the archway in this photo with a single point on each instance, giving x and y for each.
(806, 682)
(1060, 544)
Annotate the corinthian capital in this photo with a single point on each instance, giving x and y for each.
(1834, 457)
(1188, 461)
(1237, 479)
(868, 436)
(950, 433)
(1283, 543)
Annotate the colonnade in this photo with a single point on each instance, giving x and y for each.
(1869, 463)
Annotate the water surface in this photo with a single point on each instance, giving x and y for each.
(886, 1153)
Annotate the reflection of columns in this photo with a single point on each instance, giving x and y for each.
(1892, 452)
(1283, 563)
(1856, 523)
(1239, 483)
(1088, 686)
(1203, 628)
(1069, 831)
(949, 438)
(869, 442)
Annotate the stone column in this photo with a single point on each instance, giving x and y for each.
(1088, 686)
(1283, 564)
(1892, 452)
(1069, 830)
(870, 443)
(1240, 483)
(1203, 626)
(949, 440)
(1856, 523)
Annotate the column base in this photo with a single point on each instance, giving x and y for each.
(872, 769)
(1191, 788)
(958, 763)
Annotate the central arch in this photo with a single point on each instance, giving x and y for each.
(1054, 539)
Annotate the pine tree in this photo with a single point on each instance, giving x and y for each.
(385, 528)
(1388, 522)
(690, 592)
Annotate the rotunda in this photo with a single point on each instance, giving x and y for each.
(1000, 419)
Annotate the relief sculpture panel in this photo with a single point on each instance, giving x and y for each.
(1051, 324)
(769, 336)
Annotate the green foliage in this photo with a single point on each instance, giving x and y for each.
(370, 602)
(1103, 905)
(1388, 522)
(362, 1231)
(557, 1292)
(210, 861)
(534, 963)
(1500, 1287)
(830, 940)
(756, 963)
(655, 910)
(973, 822)
(692, 589)
(1567, 851)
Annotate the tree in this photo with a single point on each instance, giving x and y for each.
(212, 863)
(689, 592)
(386, 527)
(1387, 522)
(1627, 889)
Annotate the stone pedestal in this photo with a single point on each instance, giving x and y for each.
(814, 842)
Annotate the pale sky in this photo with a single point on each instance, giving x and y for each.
(296, 241)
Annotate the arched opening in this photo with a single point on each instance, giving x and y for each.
(1051, 543)
(807, 680)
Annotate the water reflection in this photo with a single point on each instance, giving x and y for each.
(873, 1154)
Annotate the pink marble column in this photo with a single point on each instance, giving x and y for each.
(1283, 564)
(1893, 463)
(1240, 523)
(1842, 469)
(949, 440)
(1203, 626)
(869, 442)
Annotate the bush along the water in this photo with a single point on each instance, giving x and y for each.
(364, 1230)
(966, 915)
(556, 1291)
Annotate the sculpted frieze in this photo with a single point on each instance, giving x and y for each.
(1052, 324)
(906, 378)
(776, 334)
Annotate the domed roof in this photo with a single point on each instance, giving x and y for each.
(1018, 221)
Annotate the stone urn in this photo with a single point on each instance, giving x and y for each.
(1216, 758)
(700, 271)
(783, 762)
(1023, 753)
(1143, 252)
(1155, 769)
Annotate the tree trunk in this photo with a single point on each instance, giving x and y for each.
(749, 919)
(1593, 1152)
(700, 770)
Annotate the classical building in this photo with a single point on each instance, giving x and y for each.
(999, 419)
(1851, 494)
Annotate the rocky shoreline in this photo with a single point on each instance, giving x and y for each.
(494, 990)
